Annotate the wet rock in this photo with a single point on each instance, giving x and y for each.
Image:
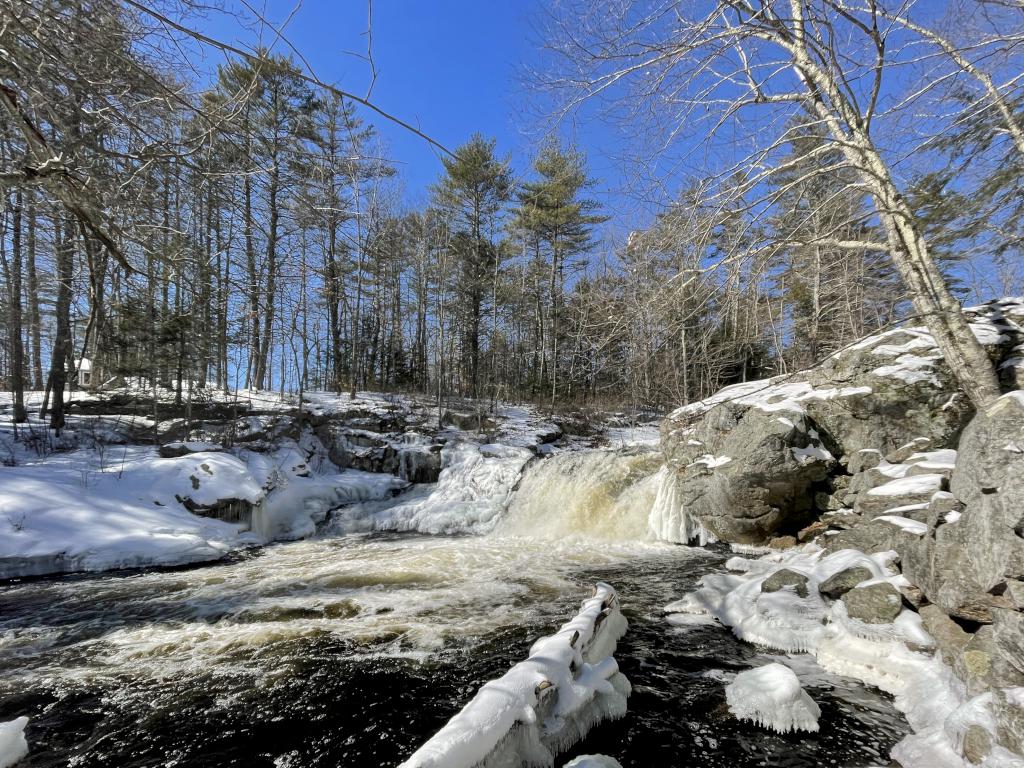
(784, 577)
(862, 460)
(912, 596)
(950, 638)
(977, 744)
(1008, 633)
(905, 451)
(875, 604)
(840, 583)
(811, 531)
(782, 542)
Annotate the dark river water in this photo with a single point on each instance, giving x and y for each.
(352, 650)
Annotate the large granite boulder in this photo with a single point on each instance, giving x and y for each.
(907, 392)
(982, 551)
(747, 472)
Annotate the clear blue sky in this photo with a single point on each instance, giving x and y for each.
(451, 67)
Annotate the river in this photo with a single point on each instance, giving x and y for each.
(352, 649)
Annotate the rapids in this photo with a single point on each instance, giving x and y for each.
(351, 649)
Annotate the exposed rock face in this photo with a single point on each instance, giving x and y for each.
(786, 578)
(767, 457)
(838, 585)
(915, 471)
(746, 472)
(875, 604)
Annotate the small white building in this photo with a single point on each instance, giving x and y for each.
(84, 371)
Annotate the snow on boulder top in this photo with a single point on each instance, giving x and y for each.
(770, 395)
(771, 697)
(13, 746)
(906, 353)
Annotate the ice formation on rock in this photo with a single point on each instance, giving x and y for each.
(888, 656)
(13, 746)
(469, 496)
(593, 761)
(771, 697)
(543, 705)
(669, 520)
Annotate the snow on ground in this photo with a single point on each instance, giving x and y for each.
(69, 513)
(129, 507)
(771, 697)
(893, 657)
(13, 746)
(542, 705)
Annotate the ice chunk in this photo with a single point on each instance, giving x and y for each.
(544, 704)
(771, 697)
(13, 746)
(593, 761)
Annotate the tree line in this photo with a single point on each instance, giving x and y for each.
(247, 229)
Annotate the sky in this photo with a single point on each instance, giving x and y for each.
(450, 67)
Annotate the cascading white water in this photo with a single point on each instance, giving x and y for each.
(593, 494)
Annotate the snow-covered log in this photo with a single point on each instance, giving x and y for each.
(543, 705)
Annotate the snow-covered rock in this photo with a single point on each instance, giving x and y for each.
(771, 697)
(593, 761)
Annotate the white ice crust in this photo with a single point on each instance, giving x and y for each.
(13, 746)
(771, 697)
(893, 657)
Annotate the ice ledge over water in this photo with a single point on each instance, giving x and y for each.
(13, 746)
(543, 705)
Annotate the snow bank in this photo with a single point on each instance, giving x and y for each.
(74, 512)
(65, 514)
(13, 746)
(893, 657)
(544, 704)
(771, 697)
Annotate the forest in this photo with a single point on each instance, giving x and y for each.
(245, 227)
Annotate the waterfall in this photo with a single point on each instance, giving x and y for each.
(596, 494)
